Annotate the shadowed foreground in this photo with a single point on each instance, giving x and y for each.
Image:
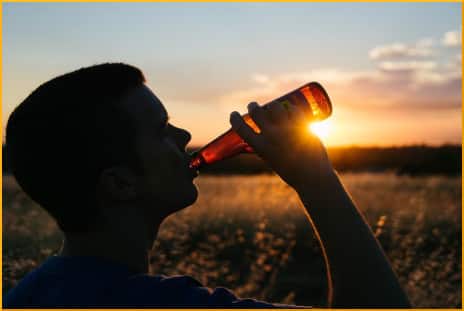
(248, 233)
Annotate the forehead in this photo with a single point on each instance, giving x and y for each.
(144, 106)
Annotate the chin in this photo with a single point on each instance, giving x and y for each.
(191, 196)
(185, 198)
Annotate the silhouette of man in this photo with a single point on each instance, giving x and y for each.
(94, 148)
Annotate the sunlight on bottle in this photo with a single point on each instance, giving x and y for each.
(321, 129)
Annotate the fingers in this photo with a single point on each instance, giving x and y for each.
(243, 130)
(297, 115)
(289, 121)
(277, 112)
(259, 116)
(286, 114)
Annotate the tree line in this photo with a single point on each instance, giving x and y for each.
(409, 160)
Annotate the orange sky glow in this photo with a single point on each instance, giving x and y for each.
(393, 71)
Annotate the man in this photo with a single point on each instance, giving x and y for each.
(95, 149)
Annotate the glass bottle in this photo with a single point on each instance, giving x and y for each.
(311, 97)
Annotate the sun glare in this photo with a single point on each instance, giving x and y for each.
(321, 129)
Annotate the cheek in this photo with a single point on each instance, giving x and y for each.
(172, 157)
(165, 163)
(161, 162)
(150, 160)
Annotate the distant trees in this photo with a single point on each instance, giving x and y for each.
(410, 160)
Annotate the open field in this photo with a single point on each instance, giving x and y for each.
(249, 233)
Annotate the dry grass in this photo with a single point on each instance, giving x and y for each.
(251, 235)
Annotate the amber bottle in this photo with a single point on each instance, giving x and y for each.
(311, 97)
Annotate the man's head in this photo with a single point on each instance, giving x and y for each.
(94, 138)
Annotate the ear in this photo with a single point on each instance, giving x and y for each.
(118, 183)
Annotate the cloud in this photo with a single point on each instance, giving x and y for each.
(451, 39)
(455, 64)
(426, 83)
(260, 78)
(407, 66)
(421, 48)
(405, 86)
(411, 90)
(425, 42)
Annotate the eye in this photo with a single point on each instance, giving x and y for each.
(163, 128)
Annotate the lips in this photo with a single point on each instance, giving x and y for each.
(193, 172)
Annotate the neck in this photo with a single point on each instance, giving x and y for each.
(128, 245)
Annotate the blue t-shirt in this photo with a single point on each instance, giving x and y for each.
(66, 282)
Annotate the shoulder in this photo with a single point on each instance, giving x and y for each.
(20, 295)
(160, 290)
(107, 286)
(185, 291)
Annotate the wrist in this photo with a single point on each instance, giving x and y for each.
(321, 185)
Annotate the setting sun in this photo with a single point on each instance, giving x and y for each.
(321, 129)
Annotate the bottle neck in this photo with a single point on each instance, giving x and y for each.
(197, 161)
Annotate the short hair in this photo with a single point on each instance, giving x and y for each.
(62, 136)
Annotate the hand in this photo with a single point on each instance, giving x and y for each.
(294, 153)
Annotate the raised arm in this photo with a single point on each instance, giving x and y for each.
(359, 273)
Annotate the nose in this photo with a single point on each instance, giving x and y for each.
(183, 137)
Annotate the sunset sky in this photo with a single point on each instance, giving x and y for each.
(392, 70)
